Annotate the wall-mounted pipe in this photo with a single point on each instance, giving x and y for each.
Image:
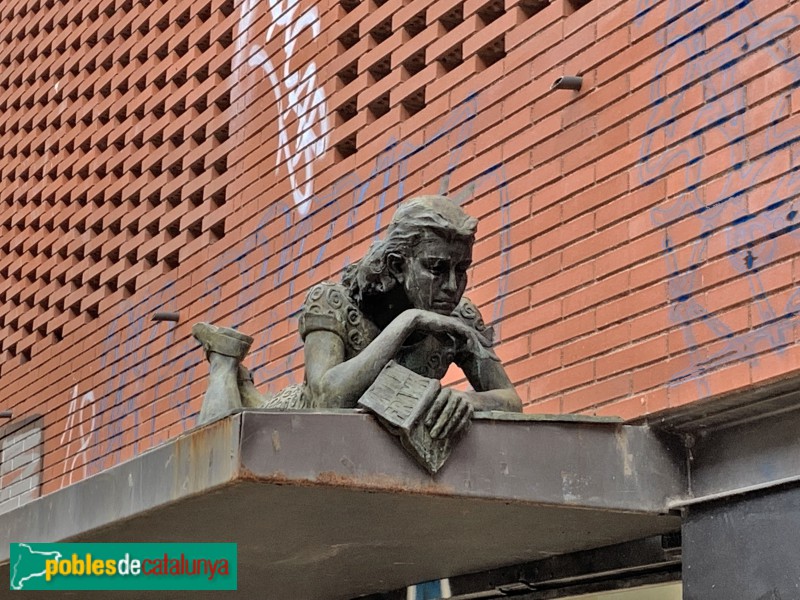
(6, 414)
(567, 82)
(166, 316)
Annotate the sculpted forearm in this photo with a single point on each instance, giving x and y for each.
(494, 390)
(341, 385)
(502, 399)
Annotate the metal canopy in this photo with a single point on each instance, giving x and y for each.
(742, 442)
(327, 505)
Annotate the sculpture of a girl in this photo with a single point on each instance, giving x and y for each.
(404, 302)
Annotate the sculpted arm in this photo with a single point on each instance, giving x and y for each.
(334, 382)
(493, 388)
(452, 410)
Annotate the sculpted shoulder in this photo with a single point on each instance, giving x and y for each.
(324, 309)
(328, 307)
(326, 298)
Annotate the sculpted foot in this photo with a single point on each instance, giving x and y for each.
(222, 340)
(225, 348)
(251, 397)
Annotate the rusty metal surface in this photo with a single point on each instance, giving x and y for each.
(194, 463)
(744, 548)
(756, 454)
(593, 465)
(499, 415)
(326, 505)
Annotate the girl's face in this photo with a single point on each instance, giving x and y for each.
(435, 276)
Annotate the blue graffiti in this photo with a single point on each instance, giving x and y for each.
(260, 270)
(256, 265)
(126, 353)
(752, 238)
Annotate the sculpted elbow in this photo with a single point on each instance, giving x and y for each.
(324, 394)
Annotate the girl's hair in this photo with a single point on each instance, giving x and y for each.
(371, 276)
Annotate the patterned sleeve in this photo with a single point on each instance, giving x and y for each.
(325, 309)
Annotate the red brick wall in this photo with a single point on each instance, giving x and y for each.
(637, 245)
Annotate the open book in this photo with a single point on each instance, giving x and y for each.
(400, 399)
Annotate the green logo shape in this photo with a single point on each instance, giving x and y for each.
(87, 566)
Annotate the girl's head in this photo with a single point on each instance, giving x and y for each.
(426, 253)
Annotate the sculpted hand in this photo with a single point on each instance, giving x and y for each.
(450, 414)
(435, 323)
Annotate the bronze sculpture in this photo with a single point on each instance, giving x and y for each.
(402, 302)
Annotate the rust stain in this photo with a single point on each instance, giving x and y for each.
(199, 452)
(276, 441)
(381, 483)
(278, 476)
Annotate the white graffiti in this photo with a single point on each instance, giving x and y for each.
(303, 128)
(78, 415)
(20, 468)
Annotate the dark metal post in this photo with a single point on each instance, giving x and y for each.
(743, 547)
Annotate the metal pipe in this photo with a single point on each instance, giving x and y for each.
(567, 82)
(6, 414)
(166, 316)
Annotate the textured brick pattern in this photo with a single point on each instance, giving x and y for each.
(110, 154)
(391, 53)
(638, 244)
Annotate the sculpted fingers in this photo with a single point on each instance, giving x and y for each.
(436, 409)
(445, 416)
(436, 323)
(475, 343)
(450, 413)
(461, 418)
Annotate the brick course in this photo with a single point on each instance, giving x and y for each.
(637, 248)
